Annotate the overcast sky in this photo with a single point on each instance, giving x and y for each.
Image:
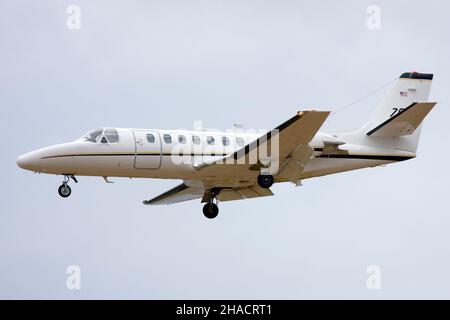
(166, 64)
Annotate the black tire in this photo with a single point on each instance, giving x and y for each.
(64, 190)
(265, 181)
(210, 210)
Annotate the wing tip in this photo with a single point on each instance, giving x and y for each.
(322, 114)
(313, 111)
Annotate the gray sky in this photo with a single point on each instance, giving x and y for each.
(167, 64)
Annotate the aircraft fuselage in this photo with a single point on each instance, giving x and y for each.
(136, 156)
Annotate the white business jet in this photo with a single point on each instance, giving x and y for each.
(224, 166)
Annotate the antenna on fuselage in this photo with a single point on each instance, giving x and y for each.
(238, 127)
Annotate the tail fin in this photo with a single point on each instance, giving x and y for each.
(397, 119)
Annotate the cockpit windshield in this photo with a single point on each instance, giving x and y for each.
(93, 136)
(108, 135)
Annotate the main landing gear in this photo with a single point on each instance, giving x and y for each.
(265, 181)
(64, 190)
(211, 209)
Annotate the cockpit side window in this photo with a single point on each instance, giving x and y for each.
(104, 140)
(94, 135)
(111, 135)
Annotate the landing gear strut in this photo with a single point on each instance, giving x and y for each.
(210, 209)
(64, 190)
(265, 181)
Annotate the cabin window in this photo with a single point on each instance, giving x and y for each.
(167, 138)
(225, 141)
(240, 141)
(150, 138)
(111, 135)
(196, 139)
(210, 140)
(182, 139)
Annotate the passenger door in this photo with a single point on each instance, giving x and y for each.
(148, 149)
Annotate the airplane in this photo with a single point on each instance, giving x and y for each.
(224, 166)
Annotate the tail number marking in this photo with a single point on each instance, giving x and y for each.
(396, 111)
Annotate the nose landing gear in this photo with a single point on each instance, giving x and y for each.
(64, 190)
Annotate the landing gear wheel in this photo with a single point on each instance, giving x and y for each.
(265, 181)
(210, 210)
(64, 190)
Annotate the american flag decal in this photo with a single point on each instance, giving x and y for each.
(403, 93)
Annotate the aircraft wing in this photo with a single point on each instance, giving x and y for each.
(292, 136)
(185, 192)
(180, 193)
(240, 193)
(235, 175)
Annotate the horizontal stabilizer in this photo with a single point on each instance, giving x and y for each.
(403, 122)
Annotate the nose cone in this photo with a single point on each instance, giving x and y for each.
(29, 161)
(48, 160)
